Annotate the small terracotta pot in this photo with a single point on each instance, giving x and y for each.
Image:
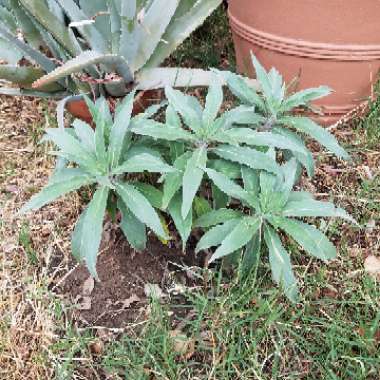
(143, 100)
(334, 43)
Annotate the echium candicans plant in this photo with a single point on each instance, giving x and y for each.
(270, 206)
(104, 158)
(274, 109)
(197, 137)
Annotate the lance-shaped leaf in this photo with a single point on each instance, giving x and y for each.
(304, 97)
(263, 77)
(247, 156)
(120, 128)
(246, 92)
(56, 189)
(160, 131)
(32, 53)
(254, 138)
(252, 253)
(183, 104)
(84, 61)
(216, 235)
(238, 237)
(133, 229)
(189, 18)
(214, 100)
(88, 231)
(309, 238)
(173, 181)
(325, 138)
(215, 217)
(140, 207)
(96, 39)
(313, 208)
(85, 134)
(49, 21)
(227, 186)
(182, 225)
(144, 162)
(282, 272)
(305, 158)
(151, 193)
(153, 26)
(71, 148)
(192, 178)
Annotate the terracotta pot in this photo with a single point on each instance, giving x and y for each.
(324, 42)
(143, 100)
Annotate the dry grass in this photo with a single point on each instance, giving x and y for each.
(33, 249)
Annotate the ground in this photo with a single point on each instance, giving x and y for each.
(169, 321)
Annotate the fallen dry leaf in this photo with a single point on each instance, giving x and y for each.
(372, 266)
(127, 303)
(88, 286)
(85, 304)
(182, 345)
(153, 291)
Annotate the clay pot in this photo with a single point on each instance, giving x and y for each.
(324, 42)
(143, 100)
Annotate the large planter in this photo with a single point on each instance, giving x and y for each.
(320, 42)
(143, 100)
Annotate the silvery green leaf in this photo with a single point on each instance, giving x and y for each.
(242, 90)
(249, 157)
(140, 207)
(172, 117)
(214, 101)
(251, 253)
(296, 196)
(97, 40)
(262, 77)
(151, 193)
(88, 231)
(160, 131)
(315, 208)
(192, 178)
(183, 104)
(143, 162)
(250, 180)
(9, 53)
(85, 134)
(173, 181)
(182, 225)
(226, 185)
(215, 217)
(305, 157)
(229, 168)
(133, 229)
(304, 97)
(216, 235)
(282, 272)
(239, 115)
(85, 60)
(55, 190)
(153, 25)
(119, 129)
(238, 237)
(51, 23)
(71, 146)
(186, 19)
(277, 85)
(309, 238)
(35, 55)
(308, 126)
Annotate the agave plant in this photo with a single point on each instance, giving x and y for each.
(102, 158)
(271, 205)
(103, 46)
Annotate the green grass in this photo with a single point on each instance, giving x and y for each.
(255, 334)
